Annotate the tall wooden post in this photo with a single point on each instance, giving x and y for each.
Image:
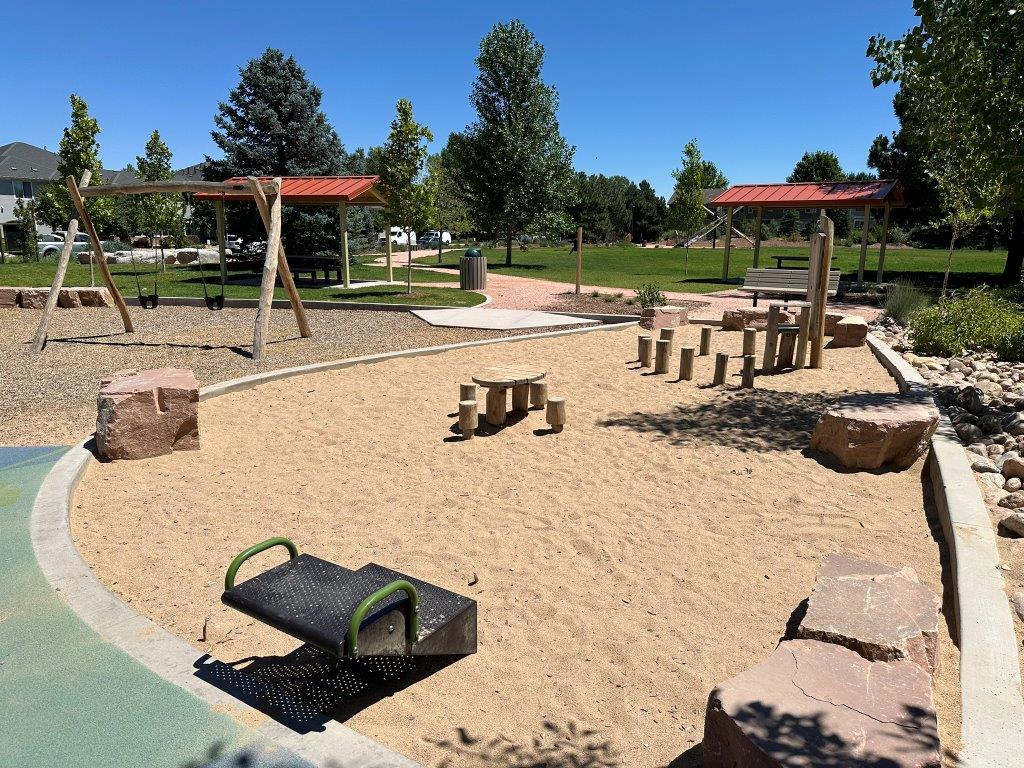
(820, 299)
(387, 250)
(579, 258)
(218, 207)
(881, 246)
(343, 223)
(99, 258)
(864, 244)
(728, 243)
(757, 236)
(259, 339)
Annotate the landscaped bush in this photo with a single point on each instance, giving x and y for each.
(650, 295)
(113, 246)
(1011, 346)
(978, 320)
(903, 300)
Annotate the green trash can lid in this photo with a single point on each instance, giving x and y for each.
(474, 252)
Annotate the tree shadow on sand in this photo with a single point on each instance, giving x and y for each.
(555, 746)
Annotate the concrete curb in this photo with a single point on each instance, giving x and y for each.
(991, 705)
(157, 649)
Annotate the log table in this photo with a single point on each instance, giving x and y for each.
(497, 381)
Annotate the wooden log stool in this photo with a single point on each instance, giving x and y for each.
(749, 341)
(747, 376)
(468, 418)
(705, 340)
(721, 368)
(686, 363)
(497, 382)
(661, 356)
(556, 413)
(644, 351)
(538, 394)
(467, 392)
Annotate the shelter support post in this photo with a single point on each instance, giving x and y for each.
(387, 251)
(864, 244)
(218, 206)
(728, 243)
(881, 246)
(282, 264)
(579, 258)
(58, 279)
(343, 223)
(757, 236)
(99, 257)
(259, 339)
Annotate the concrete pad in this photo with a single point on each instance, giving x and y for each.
(495, 319)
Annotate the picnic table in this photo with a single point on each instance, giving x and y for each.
(497, 382)
(780, 259)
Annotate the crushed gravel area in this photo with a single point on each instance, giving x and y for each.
(612, 302)
(51, 398)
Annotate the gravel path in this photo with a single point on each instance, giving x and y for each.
(51, 398)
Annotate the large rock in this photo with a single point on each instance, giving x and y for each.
(881, 612)
(95, 297)
(653, 318)
(34, 298)
(147, 413)
(751, 317)
(9, 296)
(871, 431)
(69, 298)
(850, 332)
(818, 704)
(831, 319)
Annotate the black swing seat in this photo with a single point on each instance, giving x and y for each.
(314, 600)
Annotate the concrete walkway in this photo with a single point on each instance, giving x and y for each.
(495, 319)
(69, 698)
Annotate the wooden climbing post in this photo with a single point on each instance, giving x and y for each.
(259, 340)
(579, 258)
(819, 301)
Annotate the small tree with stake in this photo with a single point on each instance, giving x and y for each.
(25, 214)
(400, 164)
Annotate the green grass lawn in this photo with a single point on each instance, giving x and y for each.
(626, 267)
(186, 281)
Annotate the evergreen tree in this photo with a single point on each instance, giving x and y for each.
(823, 166)
(272, 125)
(24, 214)
(513, 161)
(649, 211)
(152, 214)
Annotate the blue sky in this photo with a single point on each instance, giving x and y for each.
(756, 83)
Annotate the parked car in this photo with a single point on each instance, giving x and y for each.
(234, 242)
(398, 237)
(50, 245)
(432, 238)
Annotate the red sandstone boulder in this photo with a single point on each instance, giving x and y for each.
(850, 332)
(831, 319)
(147, 413)
(882, 613)
(871, 431)
(9, 296)
(95, 297)
(34, 298)
(69, 298)
(751, 317)
(653, 318)
(818, 704)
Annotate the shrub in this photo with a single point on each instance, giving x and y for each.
(650, 295)
(113, 246)
(1011, 346)
(978, 320)
(902, 301)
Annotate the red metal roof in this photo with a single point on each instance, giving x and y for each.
(813, 194)
(311, 190)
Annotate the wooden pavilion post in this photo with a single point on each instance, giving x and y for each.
(343, 223)
(728, 243)
(58, 279)
(863, 244)
(100, 258)
(259, 339)
(218, 207)
(819, 300)
(282, 263)
(881, 246)
(579, 258)
(387, 250)
(757, 236)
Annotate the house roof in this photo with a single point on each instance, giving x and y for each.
(813, 194)
(19, 160)
(313, 190)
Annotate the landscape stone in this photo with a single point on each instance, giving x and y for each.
(141, 414)
(653, 318)
(34, 298)
(882, 613)
(968, 433)
(1012, 500)
(751, 317)
(816, 704)
(69, 298)
(1017, 601)
(1014, 424)
(9, 296)
(874, 430)
(982, 464)
(1014, 523)
(990, 424)
(1012, 467)
(1012, 484)
(831, 320)
(95, 297)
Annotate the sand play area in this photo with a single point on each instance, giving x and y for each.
(658, 545)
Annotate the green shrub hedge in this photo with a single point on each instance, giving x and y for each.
(977, 320)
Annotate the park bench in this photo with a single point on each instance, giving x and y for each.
(783, 282)
(312, 265)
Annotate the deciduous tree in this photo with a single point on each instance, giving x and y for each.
(686, 211)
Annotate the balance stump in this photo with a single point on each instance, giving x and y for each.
(871, 431)
(141, 414)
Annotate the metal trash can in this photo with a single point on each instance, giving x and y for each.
(472, 270)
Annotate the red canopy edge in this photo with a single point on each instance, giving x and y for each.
(813, 194)
(311, 190)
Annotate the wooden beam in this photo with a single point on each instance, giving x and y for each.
(757, 236)
(99, 257)
(728, 244)
(579, 258)
(343, 224)
(58, 279)
(820, 300)
(864, 244)
(259, 340)
(282, 265)
(218, 207)
(881, 246)
(167, 187)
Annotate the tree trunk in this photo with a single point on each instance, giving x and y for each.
(1015, 249)
(508, 248)
(408, 266)
(949, 261)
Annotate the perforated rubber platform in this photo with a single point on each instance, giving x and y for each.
(313, 600)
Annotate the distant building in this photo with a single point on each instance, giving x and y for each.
(25, 169)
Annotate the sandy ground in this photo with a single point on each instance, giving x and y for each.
(657, 546)
(51, 398)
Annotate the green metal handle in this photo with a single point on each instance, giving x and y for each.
(412, 621)
(255, 549)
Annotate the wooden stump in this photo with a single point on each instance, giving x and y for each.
(804, 321)
(771, 339)
(467, 392)
(747, 380)
(521, 397)
(644, 351)
(667, 334)
(468, 418)
(686, 363)
(705, 340)
(496, 406)
(721, 368)
(539, 394)
(787, 345)
(556, 413)
(661, 356)
(749, 341)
